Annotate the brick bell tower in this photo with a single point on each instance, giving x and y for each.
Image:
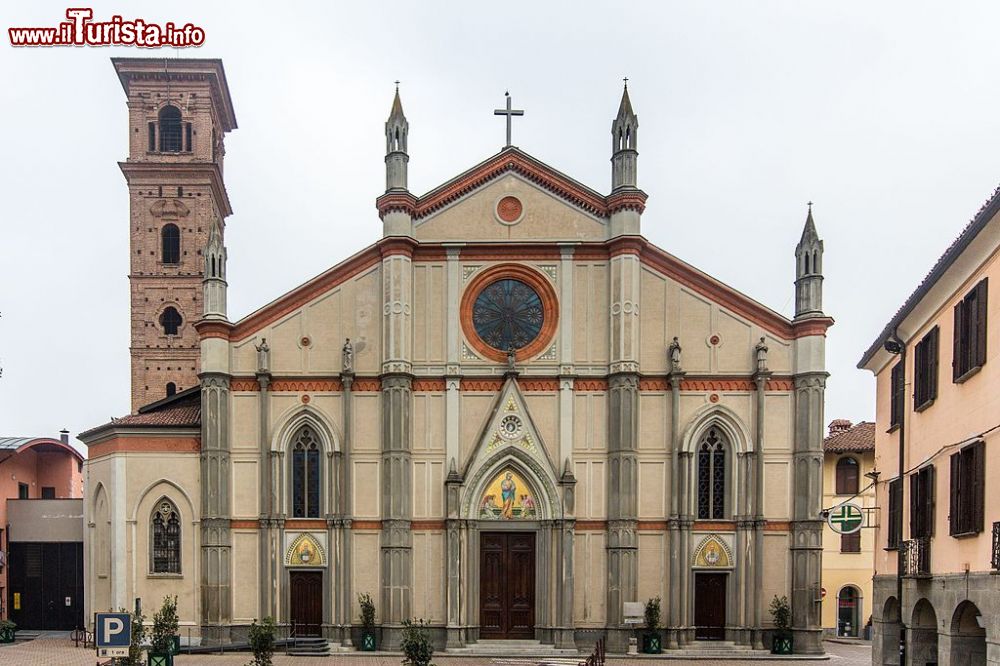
(179, 113)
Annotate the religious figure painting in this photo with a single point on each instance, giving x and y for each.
(508, 497)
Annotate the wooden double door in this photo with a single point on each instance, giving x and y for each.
(306, 602)
(710, 606)
(507, 585)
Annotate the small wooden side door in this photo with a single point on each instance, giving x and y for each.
(306, 601)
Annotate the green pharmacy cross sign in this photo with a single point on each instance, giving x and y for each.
(846, 518)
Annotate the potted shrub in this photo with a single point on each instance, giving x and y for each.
(7, 629)
(164, 641)
(367, 622)
(135, 648)
(651, 643)
(261, 639)
(416, 645)
(781, 617)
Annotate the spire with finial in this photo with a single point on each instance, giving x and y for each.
(214, 282)
(396, 158)
(624, 144)
(809, 270)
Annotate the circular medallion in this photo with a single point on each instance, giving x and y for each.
(507, 314)
(511, 427)
(510, 209)
(509, 307)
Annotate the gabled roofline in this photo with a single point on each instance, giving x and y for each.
(650, 255)
(513, 159)
(983, 217)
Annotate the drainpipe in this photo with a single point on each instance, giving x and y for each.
(896, 346)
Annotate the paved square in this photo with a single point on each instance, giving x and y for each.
(60, 652)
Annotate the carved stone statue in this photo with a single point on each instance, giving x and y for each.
(674, 352)
(760, 352)
(348, 356)
(263, 356)
(511, 357)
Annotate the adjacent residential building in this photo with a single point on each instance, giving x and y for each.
(849, 455)
(41, 532)
(938, 400)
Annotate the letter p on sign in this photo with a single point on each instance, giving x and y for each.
(114, 634)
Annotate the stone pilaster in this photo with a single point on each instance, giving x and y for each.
(267, 504)
(673, 523)
(757, 538)
(216, 539)
(453, 489)
(622, 546)
(396, 505)
(346, 510)
(564, 635)
(807, 527)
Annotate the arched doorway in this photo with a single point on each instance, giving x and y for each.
(923, 634)
(968, 638)
(888, 629)
(848, 611)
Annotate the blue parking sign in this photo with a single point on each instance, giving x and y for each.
(112, 634)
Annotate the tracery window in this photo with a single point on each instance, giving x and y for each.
(711, 477)
(508, 314)
(305, 474)
(166, 534)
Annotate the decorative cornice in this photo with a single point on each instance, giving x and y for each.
(513, 160)
(213, 328)
(138, 173)
(429, 384)
(396, 202)
(627, 200)
(811, 326)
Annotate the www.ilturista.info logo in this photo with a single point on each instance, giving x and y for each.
(80, 30)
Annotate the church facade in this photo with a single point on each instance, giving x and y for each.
(508, 416)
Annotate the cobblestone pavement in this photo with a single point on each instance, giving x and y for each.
(60, 652)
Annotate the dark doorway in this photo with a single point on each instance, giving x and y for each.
(710, 606)
(306, 601)
(507, 585)
(46, 585)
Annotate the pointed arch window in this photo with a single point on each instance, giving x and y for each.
(305, 474)
(166, 536)
(711, 476)
(170, 242)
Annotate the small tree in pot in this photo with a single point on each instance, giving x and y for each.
(164, 641)
(416, 645)
(781, 617)
(367, 622)
(651, 643)
(261, 638)
(7, 629)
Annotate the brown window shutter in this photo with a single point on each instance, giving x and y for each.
(981, 307)
(915, 508)
(933, 363)
(956, 353)
(956, 485)
(978, 473)
(930, 495)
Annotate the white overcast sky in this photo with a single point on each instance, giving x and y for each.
(885, 114)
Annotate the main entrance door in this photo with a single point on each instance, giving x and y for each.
(507, 585)
(710, 606)
(306, 603)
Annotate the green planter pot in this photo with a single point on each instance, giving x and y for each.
(159, 659)
(652, 644)
(781, 645)
(367, 641)
(7, 634)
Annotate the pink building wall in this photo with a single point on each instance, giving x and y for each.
(40, 462)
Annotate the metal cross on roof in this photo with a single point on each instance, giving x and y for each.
(509, 112)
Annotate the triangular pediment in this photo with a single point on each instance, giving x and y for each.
(511, 196)
(509, 443)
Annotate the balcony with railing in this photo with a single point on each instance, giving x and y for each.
(916, 557)
(995, 561)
